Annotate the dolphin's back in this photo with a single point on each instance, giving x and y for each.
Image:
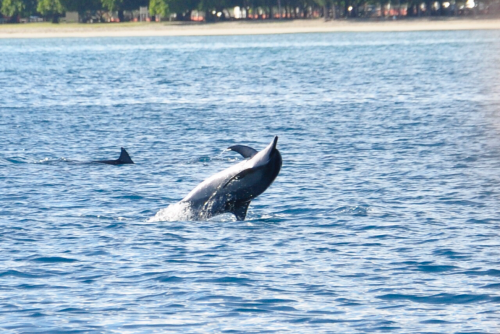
(210, 186)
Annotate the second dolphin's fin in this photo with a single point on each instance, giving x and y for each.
(124, 158)
(245, 151)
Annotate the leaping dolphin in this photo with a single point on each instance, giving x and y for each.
(123, 159)
(231, 190)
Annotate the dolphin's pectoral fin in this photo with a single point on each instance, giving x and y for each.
(125, 158)
(245, 151)
(238, 176)
(241, 175)
(240, 210)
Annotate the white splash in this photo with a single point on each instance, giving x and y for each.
(180, 211)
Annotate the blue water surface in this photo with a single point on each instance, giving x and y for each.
(385, 216)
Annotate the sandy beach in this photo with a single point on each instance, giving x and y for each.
(49, 30)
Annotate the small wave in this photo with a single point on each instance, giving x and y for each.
(275, 301)
(299, 320)
(492, 286)
(115, 225)
(170, 279)
(37, 315)
(131, 197)
(219, 157)
(435, 268)
(490, 272)
(330, 321)
(202, 159)
(173, 236)
(53, 259)
(461, 202)
(89, 279)
(443, 298)
(361, 210)
(480, 221)
(16, 273)
(99, 217)
(435, 322)
(73, 310)
(149, 325)
(48, 161)
(323, 250)
(251, 310)
(471, 159)
(32, 286)
(449, 254)
(219, 297)
(264, 218)
(281, 308)
(16, 160)
(228, 280)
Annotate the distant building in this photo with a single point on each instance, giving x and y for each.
(4, 19)
(72, 17)
(143, 14)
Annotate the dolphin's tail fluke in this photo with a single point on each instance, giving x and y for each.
(125, 158)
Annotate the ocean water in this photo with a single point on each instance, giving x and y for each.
(385, 216)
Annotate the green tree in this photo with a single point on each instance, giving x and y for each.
(81, 6)
(183, 8)
(21, 8)
(158, 7)
(325, 4)
(12, 7)
(52, 8)
(112, 5)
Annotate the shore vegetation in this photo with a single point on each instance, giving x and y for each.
(101, 11)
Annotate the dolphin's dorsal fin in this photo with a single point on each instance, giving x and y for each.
(245, 151)
(124, 157)
(240, 210)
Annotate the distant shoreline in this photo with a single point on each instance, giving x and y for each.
(48, 30)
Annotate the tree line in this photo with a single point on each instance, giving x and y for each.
(262, 9)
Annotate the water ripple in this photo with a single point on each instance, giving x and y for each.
(384, 217)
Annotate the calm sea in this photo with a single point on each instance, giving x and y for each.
(385, 216)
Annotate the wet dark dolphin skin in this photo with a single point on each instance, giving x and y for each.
(232, 190)
(123, 159)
